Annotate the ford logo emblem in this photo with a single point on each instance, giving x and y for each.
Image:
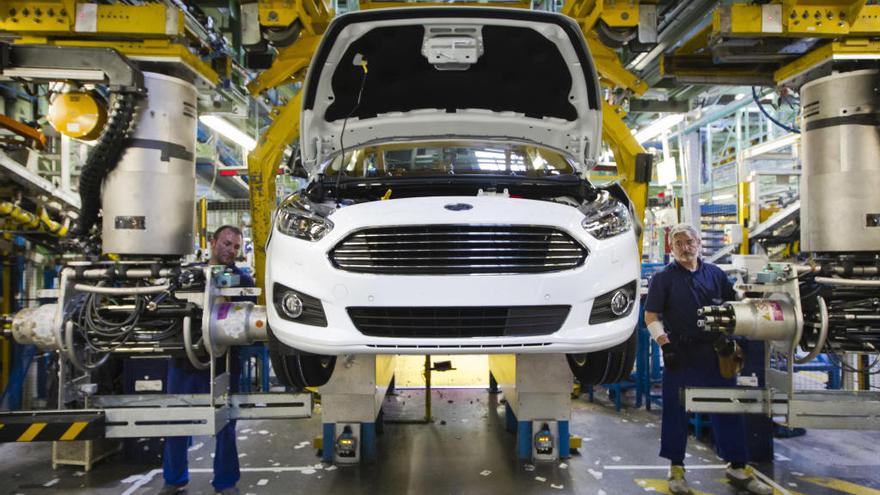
(458, 206)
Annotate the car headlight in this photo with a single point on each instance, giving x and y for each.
(606, 217)
(298, 217)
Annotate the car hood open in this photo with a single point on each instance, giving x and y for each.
(451, 72)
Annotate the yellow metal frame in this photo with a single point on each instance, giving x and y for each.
(292, 61)
(742, 215)
(852, 23)
(610, 70)
(289, 67)
(289, 62)
(5, 344)
(620, 13)
(850, 49)
(314, 15)
(800, 19)
(262, 169)
(58, 18)
(145, 32)
(625, 149)
(372, 5)
(156, 50)
(613, 74)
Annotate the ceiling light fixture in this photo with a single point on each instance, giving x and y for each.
(229, 131)
(658, 127)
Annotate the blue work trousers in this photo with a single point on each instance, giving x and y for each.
(699, 369)
(184, 379)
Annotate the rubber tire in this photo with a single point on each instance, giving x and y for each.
(605, 367)
(298, 369)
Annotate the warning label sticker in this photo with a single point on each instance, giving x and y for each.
(770, 310)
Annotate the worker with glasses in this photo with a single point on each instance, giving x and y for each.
(691, 359)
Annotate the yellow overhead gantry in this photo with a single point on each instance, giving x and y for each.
(792, 39)
(314, 15)
(153, 32)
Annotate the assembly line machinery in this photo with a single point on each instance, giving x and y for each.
(830, 302)
(133, 291)
(150, 301)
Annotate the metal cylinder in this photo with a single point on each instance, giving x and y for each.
(149, 198)
(35, 326)
(238, 323)
(840, 207)
(765, 319)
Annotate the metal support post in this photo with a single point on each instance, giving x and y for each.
(351, 401)
(538, 392)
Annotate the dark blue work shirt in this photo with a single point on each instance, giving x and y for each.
(676, 293)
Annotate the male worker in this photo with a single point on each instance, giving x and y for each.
(183, 378)
(683, 286)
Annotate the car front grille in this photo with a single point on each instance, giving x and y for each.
(458, 322)
(458, 249)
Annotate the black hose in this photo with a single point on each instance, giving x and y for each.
(103, 158)
(770, 118)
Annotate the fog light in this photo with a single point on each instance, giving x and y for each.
(298, 307)
(292, 305)
(620, 302)
(614, 304)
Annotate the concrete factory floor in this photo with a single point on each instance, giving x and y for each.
(465, 450)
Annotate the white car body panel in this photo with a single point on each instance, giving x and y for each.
(305, 267)
(533, 84)
(579, 138)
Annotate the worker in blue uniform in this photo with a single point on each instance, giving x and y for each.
(690, 359)
(183, 378)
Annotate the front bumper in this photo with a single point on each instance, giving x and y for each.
(304, 266)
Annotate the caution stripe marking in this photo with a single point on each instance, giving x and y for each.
(50, 426)
(32, 432)
(74, 430)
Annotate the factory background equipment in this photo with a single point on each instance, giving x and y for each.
(149, 300)
(830, 303)
(148, 198)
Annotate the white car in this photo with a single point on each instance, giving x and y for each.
(447, 210)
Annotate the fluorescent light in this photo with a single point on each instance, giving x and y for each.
(667, 172)
(658, 127)
(229, 131)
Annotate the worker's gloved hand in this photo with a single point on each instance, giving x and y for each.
(671, 356)
(724, 346)
(730, 356)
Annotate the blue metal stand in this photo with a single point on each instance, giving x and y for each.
(329, 440)
(524, 440)
(564, 442)
(368, 442)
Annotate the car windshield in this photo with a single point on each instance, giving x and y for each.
(441, 159)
